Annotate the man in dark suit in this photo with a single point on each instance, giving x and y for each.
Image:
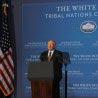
(55, 56)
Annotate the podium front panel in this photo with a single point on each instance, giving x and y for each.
(40, 70)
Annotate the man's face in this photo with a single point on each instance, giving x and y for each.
(51, 45)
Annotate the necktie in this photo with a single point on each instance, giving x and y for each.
(50, 54)
(49, 57)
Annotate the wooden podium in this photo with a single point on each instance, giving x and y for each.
(41, 89)
(41, 76)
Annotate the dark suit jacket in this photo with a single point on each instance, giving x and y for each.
(57, 59)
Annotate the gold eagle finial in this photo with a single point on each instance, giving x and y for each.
(5, 6)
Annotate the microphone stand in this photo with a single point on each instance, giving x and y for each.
(66, 61)
(65, 81)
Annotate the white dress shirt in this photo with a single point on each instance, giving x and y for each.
(52, 51)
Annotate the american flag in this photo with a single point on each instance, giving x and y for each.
(6, 59)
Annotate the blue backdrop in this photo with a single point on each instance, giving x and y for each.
(73, 25)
